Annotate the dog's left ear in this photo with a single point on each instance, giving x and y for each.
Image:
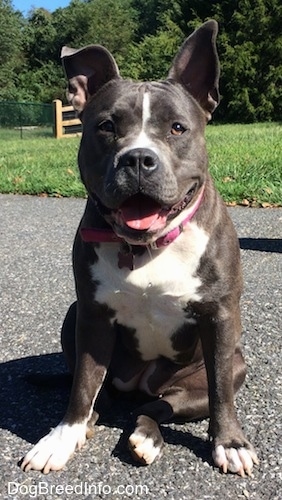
(196, 66)
(87, 70)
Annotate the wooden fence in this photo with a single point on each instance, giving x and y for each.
(66, 123)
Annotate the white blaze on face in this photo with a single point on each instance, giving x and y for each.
(143, 140)
(146, 110)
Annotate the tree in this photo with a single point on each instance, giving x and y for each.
(39, 38)
(152, 57)
(80, 24)
(250, 49)
(41, 78)
(10, 42)
(252, 62)
(152, 15)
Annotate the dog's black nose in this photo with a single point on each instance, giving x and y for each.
(140, 159)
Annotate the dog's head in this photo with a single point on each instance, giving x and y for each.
(142, 155)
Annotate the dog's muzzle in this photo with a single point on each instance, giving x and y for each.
(142, 213)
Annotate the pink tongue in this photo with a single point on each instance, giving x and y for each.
(140, 213)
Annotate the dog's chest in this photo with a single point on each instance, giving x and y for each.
(151, 299)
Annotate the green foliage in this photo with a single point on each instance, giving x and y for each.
(251, 55)
(152, 57)
(154, 14)
(39, 37)
(10, 27)
(144, 36)
(10, 43)
(41, 84)
(81, 24)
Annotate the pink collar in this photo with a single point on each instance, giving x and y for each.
(95, 235)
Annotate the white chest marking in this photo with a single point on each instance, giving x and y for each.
(151, 298)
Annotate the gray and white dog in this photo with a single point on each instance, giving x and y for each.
(156, 260)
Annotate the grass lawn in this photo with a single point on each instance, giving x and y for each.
(39, 165)
(245, 161)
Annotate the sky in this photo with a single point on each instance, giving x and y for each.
(26, 5)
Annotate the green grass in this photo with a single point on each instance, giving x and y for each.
(39, 165)
(245, 162)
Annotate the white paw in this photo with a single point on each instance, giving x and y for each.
(53, 450)
(238, 461)
(143, 448)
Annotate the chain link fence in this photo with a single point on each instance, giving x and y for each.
(26, 119)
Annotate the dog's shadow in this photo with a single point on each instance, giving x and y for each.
(272, 245)
(33, 401)
(26, 409)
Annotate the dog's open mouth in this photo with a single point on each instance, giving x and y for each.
(141, 213)
(140, 218)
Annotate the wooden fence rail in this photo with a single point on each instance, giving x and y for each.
(66, 123)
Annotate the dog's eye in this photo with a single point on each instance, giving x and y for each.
(107, 126)
(177, 129)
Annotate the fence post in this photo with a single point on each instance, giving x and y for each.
(58, 118)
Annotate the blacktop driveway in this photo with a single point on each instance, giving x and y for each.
(36, 288)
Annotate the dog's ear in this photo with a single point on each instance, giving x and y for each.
(196, 66)
(87, 70)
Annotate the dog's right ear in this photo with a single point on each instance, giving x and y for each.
(87, 70)
(196, 66)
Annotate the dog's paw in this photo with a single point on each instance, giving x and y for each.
(143, 448)
(146, 442)
(236, 460)
(53, 450)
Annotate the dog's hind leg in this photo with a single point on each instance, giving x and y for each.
(178, 399)
(183, 397)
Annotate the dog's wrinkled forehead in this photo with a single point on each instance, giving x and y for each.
(124, 100)
(154, 104)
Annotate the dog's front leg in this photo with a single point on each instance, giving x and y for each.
(94, 347)
(231, 450)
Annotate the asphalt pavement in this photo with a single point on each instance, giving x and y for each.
(36, 288)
